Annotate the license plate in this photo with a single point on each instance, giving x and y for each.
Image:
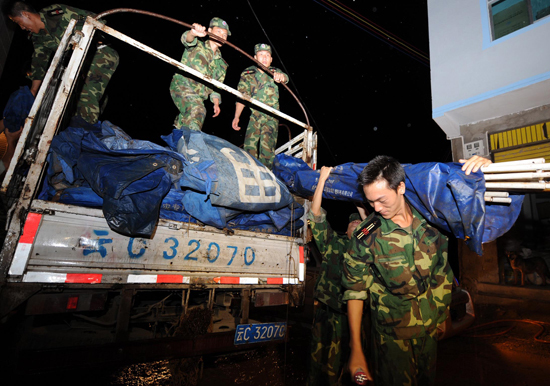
(261, 332)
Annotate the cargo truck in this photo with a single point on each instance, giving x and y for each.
(75, 291)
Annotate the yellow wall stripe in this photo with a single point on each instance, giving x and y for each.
(526, 152)
(520, 136)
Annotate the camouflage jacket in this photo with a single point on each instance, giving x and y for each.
(328, 288)
(260, 85)
(407, 276)
(199, 56)
(56, 18)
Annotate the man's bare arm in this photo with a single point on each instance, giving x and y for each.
(357, 358)
(318, 195)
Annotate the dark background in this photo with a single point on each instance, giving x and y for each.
(364, 94)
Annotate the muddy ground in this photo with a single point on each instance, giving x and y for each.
(488, 356)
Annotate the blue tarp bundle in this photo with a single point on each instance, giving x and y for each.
(227, 175)
(133, 181)
(441, 192)
(17, 109)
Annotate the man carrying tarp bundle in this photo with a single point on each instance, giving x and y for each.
(398, 261)
(330, 332)
(206, 57)
(46, 28)
(261, 133)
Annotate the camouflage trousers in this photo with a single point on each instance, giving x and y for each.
(329, 347)
(102, 68)
(410, 362)
(262, 129)
(189, 103)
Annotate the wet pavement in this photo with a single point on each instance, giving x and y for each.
(499, 351)
(492, 355)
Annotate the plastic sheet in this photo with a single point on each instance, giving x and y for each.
(133, 181)
(441, 192)
(17, 109)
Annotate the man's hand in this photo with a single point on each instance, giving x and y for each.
(238, 110)
(235, 124)
(198, 30)
(474, 164)
(325, 172)
(279, 77)
(357, 361)
(217, 109)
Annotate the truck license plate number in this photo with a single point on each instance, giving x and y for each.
(261, 332)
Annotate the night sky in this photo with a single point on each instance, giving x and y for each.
(363, 96)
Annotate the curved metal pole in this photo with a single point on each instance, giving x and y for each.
(210, 35)
(288, 129)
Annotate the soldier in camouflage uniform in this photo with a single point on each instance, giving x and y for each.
(262, 128)
(206, 57)
(330, 333)
(401, 261)
(46, 29)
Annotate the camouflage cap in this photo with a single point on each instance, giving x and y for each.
(354, 217)
(262, 47)
(217, 22)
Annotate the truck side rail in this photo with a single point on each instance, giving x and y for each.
(36, 105)
(33, 177)
(302, 146)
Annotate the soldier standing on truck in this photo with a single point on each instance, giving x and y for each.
(330, 331)
(46, 29)
(262, 128)
(189, 95)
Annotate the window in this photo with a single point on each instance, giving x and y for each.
(508, 16)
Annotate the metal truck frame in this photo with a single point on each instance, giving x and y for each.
(76, 292)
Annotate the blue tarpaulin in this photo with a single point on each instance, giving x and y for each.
(227, 174)
(441, 192)
(17, 109)
(210, 181)
(203, 178)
